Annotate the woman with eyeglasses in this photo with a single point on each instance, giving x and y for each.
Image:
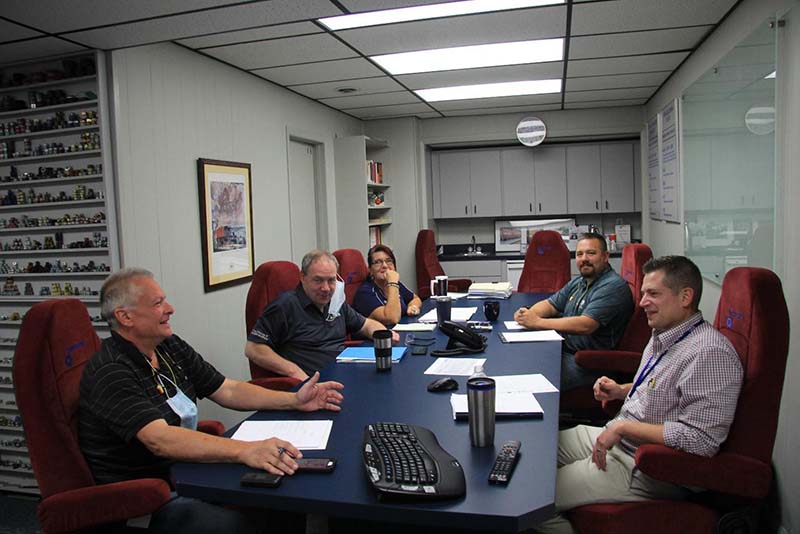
(383, 296)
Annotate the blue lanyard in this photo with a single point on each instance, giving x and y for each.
(649, 368)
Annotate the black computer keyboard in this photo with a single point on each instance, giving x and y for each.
(407, 460)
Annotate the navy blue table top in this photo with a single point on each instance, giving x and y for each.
(401, 396)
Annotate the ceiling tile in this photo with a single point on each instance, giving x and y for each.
(519, 25)
(625, 65)
(634, 43)
(501, 110)
(342, 69)
(377, 99)
(610, 94)
(390, 111)
(280, 52)
(648, 79)
(268, 32)
(606, 103)
(509, 73)
(377, 5)
(12, 32)
(475, 103)
(37, 48)
(633, 15)
(59, 16)
(364, 86)
(194, 24)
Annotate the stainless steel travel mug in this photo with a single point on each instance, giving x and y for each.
(383, 349)
(480, 400)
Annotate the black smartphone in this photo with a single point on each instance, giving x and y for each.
(260, 479)
(316, 465)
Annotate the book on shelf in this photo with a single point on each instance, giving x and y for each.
(374, 236)
(374, 172)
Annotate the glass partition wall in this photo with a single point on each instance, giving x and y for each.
(729, 154)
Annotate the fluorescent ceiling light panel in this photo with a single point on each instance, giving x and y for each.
(470, 57)
(449, 9)
(490, 90)
(770, 75)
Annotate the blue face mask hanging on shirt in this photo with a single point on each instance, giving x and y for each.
(181, 405)
(337, 301)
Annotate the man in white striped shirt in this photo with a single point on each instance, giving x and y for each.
(683, 395)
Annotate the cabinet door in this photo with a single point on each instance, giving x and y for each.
(454, 184)
(550, 180)
(616, 175)
(583, 179)
(484, 170)
(518, 191)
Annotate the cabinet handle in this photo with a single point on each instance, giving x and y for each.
(530, 207)
(474, 208)
(466, 210)
(606, 204)
(596, 205)
(540, 206)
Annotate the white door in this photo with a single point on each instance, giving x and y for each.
(302, 200)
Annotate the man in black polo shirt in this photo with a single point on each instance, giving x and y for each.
(137, 410)
(303, 330)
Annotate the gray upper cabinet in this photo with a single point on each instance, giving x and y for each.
(519, 196)
(583, 184)
(454, 184)
(616, 174)
(484, 183)
(550, 180)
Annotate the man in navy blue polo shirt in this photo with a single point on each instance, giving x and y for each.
(303, 330)
(591, 311)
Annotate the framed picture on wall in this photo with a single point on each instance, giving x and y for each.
(226, 222)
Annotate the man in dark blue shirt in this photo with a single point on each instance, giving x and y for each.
(590, 311)
(303, 330)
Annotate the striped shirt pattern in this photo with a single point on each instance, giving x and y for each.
(693, 391)
(118, 397)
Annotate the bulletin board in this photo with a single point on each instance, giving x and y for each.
(653, 169)
(663, 165)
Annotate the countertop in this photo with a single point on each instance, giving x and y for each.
(456, 253)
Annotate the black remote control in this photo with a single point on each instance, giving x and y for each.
(504, 463)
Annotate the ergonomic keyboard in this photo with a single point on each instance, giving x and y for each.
(407, 460)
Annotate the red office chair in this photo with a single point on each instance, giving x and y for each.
(579, 403)
(270, 280)
(546, 268)
(752, 314)
(55, 342)
(428, 267)
(353, 270)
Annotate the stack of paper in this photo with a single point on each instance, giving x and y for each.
(367, 355)
(530, 335)
(498, 290)
(506, 405)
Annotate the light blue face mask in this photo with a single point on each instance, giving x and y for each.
(337, 301)
(181, 405)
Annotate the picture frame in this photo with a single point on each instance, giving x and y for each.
(226, 223)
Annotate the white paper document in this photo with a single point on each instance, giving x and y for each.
(455, 296)
(414, 327)
(507, 405)
(456, 314)
(513, 325)
(305, 435)
(533, 383)
(530, 335)
(454, 366)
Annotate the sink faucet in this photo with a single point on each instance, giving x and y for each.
(474, 249)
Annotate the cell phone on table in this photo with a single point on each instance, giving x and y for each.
(260, 479)
(315, 465)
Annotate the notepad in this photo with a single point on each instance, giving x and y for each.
(367, 355)
(530, 335)
(305, 435)
(507, 406)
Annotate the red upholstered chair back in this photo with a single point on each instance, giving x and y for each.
(752, 314)
(546, 268)
(270, 280)
(428, 266)
(55, 342)
(353, 270)
(637, 333)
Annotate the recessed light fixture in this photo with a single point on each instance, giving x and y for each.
(346, 90)
(448, 9)
(474, 56)
(490, 90)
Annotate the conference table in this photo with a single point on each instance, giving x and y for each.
(401, 396)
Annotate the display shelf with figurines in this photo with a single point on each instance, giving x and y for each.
(57, 218)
